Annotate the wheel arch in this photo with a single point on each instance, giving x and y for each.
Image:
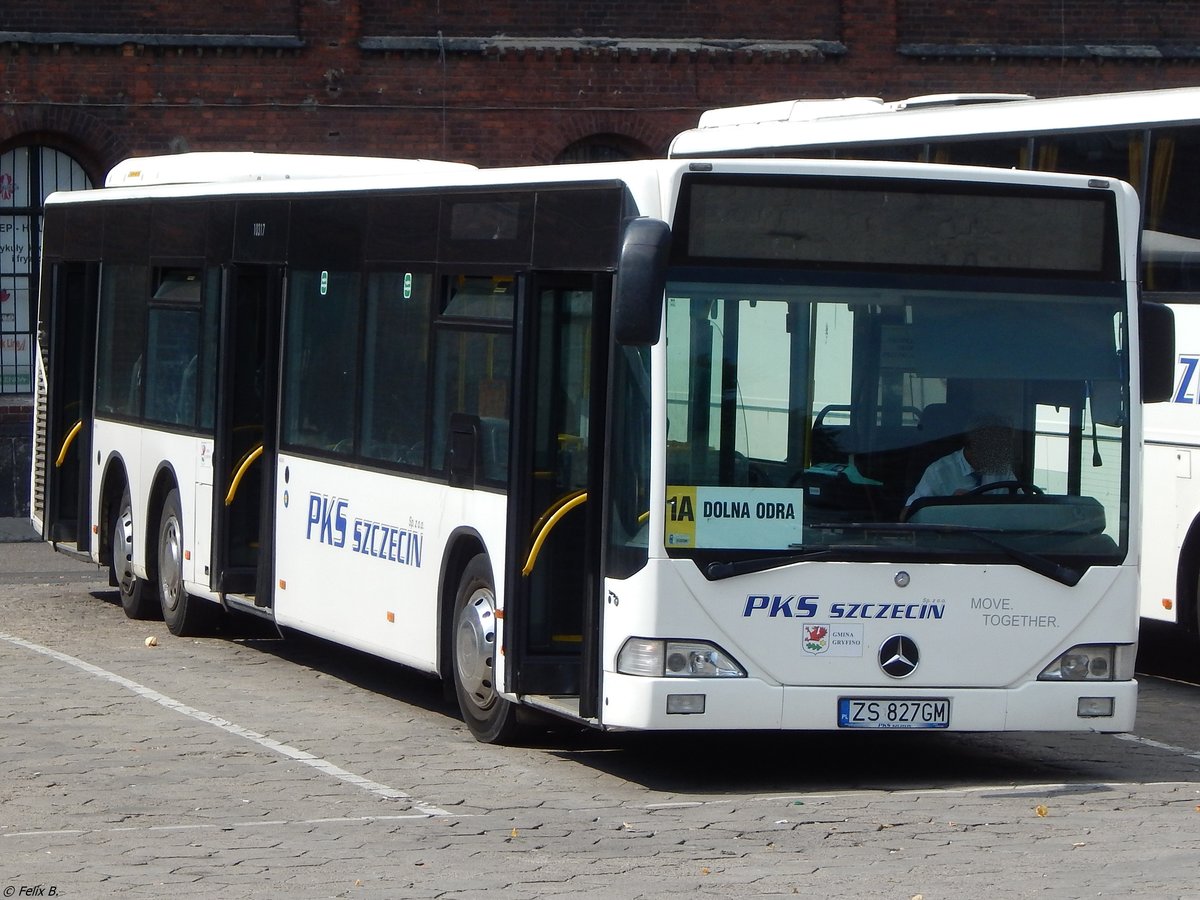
(165, 480)
(1187, 584)
(463, 545)
(112, 484)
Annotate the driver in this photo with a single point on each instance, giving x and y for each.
(986, 458)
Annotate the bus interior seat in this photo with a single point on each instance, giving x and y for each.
(826, 440)
(685, 466)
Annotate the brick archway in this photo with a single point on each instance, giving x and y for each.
(603, 148)
(73, 131)
(640, 136)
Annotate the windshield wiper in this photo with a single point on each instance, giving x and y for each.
(1031, 561)
(715, 571)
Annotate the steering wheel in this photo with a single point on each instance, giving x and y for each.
(1013, 487)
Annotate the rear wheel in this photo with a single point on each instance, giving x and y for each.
(491, 718)
(183, 613)
(137, 599)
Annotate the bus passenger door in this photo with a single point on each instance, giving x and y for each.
(71, 376)
(244, 446)
(554, 571)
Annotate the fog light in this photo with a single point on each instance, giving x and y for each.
(685, 704)
(1095, 707)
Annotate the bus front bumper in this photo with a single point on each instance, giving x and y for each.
(677, 704)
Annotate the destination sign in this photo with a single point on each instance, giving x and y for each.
(702, 517)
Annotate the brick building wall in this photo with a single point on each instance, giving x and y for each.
(521, 82)
(1064, 22)
(515, 83)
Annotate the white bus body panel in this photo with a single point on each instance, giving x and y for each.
(984, 633)
(146, 455)
(1172, 474)
(359, 554)
(114, 443)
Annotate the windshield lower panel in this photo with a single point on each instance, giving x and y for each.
(956, 420)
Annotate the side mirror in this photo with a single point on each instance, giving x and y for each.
(641, 280)
(1156, 325)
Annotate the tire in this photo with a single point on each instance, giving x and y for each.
(136, 597)
(491, 718)
(184, 614)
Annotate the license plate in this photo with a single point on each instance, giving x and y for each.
(877, 712)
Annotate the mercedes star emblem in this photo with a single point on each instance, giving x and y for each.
(898, 656)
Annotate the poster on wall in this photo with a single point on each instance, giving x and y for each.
(16, 333)
(16, 266)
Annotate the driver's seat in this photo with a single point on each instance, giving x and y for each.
(943, 430)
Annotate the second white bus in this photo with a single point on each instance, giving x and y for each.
(1150, 139)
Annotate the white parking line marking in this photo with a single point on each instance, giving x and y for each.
(302, 756)
(1159, 745)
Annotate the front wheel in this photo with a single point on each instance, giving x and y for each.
(184, 614)
(136, 597)
(491, 718)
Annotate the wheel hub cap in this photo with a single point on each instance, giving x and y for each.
(475, 648)
(123, 550)
(170, 563)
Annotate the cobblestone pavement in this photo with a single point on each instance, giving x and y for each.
(246, 766)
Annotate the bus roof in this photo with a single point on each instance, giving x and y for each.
(209, 175)
(231, 167)
(650, 182)
(860, 120)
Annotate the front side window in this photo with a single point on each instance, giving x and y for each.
(629, 462)
(473, 369)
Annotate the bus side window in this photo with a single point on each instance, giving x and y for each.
(122, 339)
(473, 364)
(321, 361)
(173, 348)
(395, 367)
(471, 376)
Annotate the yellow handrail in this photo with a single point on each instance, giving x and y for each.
(237, 476)
(565, 498)
(565, 505)
(71, 435)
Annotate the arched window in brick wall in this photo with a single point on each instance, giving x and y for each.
(27, 176)
(603, 148)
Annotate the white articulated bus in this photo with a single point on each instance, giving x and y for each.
(1150, 139)
(627, 443)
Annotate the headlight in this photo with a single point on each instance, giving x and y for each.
(657, 658)
(1086, 662)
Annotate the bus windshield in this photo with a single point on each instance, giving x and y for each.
(805, 416)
